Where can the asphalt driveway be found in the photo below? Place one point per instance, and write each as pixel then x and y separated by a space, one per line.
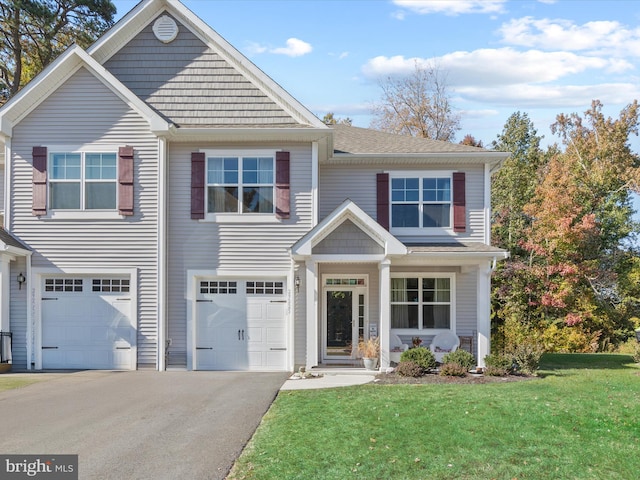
pixel 139 425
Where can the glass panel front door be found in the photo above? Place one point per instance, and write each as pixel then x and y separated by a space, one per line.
pixel 339 335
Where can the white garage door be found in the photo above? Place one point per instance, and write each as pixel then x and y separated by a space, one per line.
pixel 86 323
pixel 241 325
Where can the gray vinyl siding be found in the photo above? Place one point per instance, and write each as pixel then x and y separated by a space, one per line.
pixel 191 84
pixel 242 247
pixel 358 183
pixel 348 238
pixel 18 315
pixel 84 111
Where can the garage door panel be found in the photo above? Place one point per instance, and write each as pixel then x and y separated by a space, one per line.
pixel 87 329
pixel 254 322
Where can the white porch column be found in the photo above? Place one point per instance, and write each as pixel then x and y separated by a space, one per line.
pixel 5 290
pixel 384 328
pixel 311 286
pixel 484 311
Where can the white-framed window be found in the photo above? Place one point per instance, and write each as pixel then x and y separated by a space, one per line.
pixel 422 302
pixel 421 200
pixel 240 183
pixel 83 180
pixel 219 287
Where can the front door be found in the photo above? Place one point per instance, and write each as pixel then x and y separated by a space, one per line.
pixel 344 322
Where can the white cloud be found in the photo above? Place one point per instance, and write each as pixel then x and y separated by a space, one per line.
pixel 502 66
pixel 551 96
pixel 451 7
pixel 295 48
pixel 606 37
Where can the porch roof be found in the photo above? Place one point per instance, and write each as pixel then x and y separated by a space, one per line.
pixel 457 248
pixel 10 244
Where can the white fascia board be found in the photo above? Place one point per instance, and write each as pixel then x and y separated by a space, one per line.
pixel 158 125
pixel 125 29
pixel 348 211
pixel 36 91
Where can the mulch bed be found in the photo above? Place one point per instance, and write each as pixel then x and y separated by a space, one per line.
pixel 430 378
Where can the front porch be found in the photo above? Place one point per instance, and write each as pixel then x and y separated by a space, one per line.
pixel 359 281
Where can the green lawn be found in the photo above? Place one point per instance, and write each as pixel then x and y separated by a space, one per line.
pixel 580 420
pixel 9 382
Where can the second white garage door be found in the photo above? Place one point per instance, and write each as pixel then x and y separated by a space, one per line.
pixel 241 325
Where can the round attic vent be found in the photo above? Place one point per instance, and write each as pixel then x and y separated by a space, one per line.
pixel 165 29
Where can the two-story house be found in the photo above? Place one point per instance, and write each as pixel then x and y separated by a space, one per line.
pixel 166 204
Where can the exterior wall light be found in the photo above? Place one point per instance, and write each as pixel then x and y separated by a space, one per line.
pixel 21 279
pixel 297 284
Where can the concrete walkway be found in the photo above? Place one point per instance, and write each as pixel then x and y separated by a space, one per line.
pixel 330 378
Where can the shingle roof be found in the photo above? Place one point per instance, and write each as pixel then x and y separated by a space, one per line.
pixel 459 247
pixel 356 140
pixel 10 240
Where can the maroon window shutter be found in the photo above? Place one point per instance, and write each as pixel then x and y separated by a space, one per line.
pixel 283 199
pixel 39 158
pixel 459 203
pixel 383 199
pixel 197 185
pixel 125 180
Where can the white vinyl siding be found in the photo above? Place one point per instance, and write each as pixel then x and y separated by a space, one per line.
pixel 238 247
pixel 358 183
pixel 84 111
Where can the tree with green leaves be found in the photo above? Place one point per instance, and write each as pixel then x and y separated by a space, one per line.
pixel 34 32
pixel 514 184
pixel 575 277
pixel 331 119
pixel 418 104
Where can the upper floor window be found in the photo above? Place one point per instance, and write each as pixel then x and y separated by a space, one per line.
pixel 82 181
pixel 421 202
pixel 240 184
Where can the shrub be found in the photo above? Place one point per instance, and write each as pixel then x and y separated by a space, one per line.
pixel 499 360
pixel 453 370
pixel 409 369
pixel 569 339
pixel 461 357
pixel 495 371
pixel 420 355
pixel 527 355
pixel 498 365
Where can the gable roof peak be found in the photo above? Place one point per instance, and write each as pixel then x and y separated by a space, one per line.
pixel 147 11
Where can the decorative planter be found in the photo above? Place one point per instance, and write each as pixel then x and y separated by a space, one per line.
pixel 370 363
pixel 5 367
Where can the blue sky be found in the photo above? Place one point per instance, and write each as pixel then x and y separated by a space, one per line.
pixel 542 57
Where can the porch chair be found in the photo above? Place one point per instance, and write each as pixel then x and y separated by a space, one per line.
pixel 443 343
pixel 396 348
